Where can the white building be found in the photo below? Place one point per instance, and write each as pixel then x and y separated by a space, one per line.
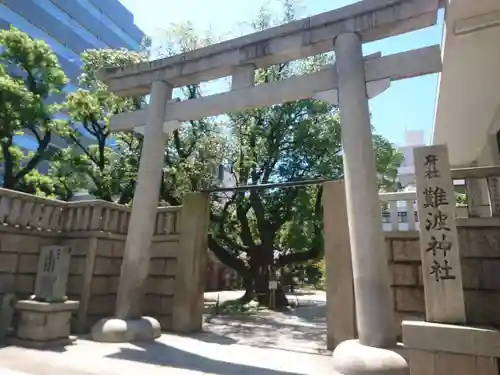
pixel 467 115
pixel 226 177
pixel 406 175
pixel 406 172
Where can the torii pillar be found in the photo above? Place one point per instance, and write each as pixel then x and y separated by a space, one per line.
pixel 128 323
pixel 374 352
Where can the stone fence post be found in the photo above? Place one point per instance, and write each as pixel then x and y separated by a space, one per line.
pixel 341 313
pixel 191 263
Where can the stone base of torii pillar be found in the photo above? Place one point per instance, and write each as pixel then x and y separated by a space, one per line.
pixel 353 358
pixel 375 352
pixel 128 324
pixel 121 330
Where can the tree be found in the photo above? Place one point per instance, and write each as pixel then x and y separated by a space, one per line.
pixel 30 80
pixel 259 231
pixel 110 171
pixel 107 166
pixel 194 152
pixel 254 232
pixel 389 159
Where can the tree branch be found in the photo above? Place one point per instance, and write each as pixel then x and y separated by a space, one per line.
pixel 8 181
pixel 229 242
pixel 225 257
pixel 92 131
pixel 178 145
pixel 37 157
pixel 241 214
pixel 315 249
pixel 35 133
pixel 83 148
pixel 260 215
pixel 102 159
pixel 284 212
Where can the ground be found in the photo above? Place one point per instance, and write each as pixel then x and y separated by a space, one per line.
pixel 267 343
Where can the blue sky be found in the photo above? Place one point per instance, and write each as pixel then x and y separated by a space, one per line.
pixel 408 104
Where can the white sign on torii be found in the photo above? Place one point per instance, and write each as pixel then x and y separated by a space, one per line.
pixel 349 82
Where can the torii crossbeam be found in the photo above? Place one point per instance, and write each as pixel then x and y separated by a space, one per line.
pixel 379 71
pixel 370 19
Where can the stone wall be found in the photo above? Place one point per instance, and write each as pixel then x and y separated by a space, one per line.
pixel 480 259
pixel 405 270
pixel 96 233
pixel 436 349
pixel 19 251
pixel 480 250
pixel 159 288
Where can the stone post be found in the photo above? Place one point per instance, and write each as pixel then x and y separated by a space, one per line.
pixel 190 276
pixel 340 315
pixel 373 297
pixel 130 325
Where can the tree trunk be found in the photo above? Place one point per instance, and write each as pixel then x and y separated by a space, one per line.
pixel 8 182
pixel 249 290
pixel 255 277
pixel 261 279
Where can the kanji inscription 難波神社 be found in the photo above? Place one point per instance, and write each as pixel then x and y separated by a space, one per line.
pixel 436 222
pixel 438 236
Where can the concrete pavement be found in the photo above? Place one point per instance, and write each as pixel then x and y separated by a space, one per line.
pixel 268 343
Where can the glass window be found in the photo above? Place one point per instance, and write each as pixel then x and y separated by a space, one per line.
pixel 26 141
pixel 22 24
pixel 109 23
pixel 70 22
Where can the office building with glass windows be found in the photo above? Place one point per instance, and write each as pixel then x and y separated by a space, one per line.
pixel 73 26
pixel 70 27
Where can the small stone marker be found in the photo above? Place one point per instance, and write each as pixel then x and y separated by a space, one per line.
pixel 441 268
pixel 52 274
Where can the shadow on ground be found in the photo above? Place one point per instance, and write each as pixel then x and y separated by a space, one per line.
pixel 301 329
pixel 265 343
pixel 162 354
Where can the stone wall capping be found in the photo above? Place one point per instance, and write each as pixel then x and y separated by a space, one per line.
pixel 482 222
pixel 479 22
pixel 409 234
pixel 30 305
pixel 476 341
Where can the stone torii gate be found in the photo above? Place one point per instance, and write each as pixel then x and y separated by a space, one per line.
pixel 350 82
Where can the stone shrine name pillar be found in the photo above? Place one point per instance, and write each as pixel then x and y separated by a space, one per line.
pixel 374 305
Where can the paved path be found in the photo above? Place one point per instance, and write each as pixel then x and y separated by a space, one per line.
pixel 269 343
